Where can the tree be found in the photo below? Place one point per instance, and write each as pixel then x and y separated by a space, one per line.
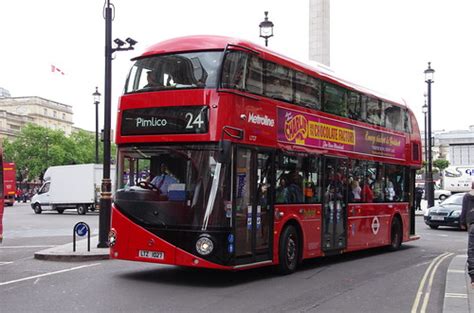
pixel 38 148
pixel 441 164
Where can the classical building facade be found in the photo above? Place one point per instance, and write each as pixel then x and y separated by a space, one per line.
pixel 456 146
pixel 16 112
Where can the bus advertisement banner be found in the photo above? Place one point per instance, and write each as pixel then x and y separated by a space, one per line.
pixel 306 129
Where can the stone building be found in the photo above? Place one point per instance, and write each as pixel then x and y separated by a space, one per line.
pixel 16 112
pixel 456 146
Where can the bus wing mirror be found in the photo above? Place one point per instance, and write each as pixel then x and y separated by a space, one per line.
pixel 224 151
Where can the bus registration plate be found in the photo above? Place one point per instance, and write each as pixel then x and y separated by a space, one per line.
pixel 151 254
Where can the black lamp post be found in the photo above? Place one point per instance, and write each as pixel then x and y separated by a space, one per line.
pixel 424 109
pixel 266 29
pixel 429 79
pixel 96 96
pixel 106 192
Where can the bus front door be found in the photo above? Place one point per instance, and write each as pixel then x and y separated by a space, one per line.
pixel 253 207
pixel 334 205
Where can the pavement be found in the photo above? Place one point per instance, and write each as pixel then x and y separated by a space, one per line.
pixel 83 252
pixel 458 297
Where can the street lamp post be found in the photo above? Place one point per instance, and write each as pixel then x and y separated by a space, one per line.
pixel 106 188
pixel 266 29
pixel 424 109
pixel 96 96
pixel 429 79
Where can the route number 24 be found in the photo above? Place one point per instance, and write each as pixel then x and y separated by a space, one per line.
pixel 193 122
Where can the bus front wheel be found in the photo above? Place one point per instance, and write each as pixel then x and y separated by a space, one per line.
pixel 288 250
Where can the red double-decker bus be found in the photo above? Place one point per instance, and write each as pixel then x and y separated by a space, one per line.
pixel 255 159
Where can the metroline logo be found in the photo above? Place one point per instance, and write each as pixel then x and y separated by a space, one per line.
pixel 261 120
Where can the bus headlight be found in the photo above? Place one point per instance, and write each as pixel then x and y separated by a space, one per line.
pixel 112 238
pixel 204 245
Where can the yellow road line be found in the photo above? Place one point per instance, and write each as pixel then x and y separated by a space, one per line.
pixel 419 293
pixel 430 284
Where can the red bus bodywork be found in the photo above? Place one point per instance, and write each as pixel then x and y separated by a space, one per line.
pixel 9 183
pixel 368 224
pixel 1 196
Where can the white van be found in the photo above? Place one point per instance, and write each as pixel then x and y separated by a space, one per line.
pixel 71 187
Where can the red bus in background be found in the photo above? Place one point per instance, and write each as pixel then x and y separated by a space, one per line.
pixel 1 195
pixel 256 159
pixel 9 183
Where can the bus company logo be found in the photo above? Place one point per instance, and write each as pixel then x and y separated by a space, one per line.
pixel 150 122
pixel 296 128
pixel 261 120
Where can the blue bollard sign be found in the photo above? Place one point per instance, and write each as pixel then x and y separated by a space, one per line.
pixel 81 229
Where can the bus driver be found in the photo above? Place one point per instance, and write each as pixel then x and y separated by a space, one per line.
pixel 164 180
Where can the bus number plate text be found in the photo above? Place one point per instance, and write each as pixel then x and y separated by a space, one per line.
pixel 151 254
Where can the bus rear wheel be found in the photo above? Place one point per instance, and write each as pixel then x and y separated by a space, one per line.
pixel 396 235
pixel 288 250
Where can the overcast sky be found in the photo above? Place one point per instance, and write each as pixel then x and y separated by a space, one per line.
pixel 383 45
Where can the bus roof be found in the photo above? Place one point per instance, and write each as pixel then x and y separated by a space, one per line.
pixel 211 42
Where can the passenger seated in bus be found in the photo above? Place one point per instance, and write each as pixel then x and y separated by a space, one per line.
pixel 393 118
pixel 295 191
pixel 389 191
pixel 263 196
pixel 151 78
pixel 356 191
pixel 367 193
pixel 282 195
pixel 378 189
pixel 164 180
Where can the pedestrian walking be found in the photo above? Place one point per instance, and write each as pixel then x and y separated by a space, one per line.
pixel 467 222
pixel 418 196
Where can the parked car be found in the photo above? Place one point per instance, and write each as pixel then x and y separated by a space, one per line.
pixel 447 213
pixel 439 193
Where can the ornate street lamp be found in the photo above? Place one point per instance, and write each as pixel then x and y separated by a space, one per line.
pixel 96 96
pixel 106 188
pixel 424 109
pixel 266 29
pixel 429 79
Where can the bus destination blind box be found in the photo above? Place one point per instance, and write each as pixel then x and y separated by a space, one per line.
pixel 167 120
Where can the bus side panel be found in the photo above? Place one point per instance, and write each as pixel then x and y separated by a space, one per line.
pixel 368 225
pixel 308 218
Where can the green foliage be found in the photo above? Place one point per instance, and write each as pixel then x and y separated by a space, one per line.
pixel 441 164
pixel 38 148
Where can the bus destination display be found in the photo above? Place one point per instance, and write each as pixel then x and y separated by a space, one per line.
pixel 167 120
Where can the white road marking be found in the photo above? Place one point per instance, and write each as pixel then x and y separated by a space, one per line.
pixel 47 274
pixel 455 295
pixel 26 247
pixel 5 263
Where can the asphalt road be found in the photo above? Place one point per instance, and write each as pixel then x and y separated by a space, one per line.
pixel 369 281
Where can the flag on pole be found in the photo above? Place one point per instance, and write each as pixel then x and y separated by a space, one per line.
pixel 54 69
